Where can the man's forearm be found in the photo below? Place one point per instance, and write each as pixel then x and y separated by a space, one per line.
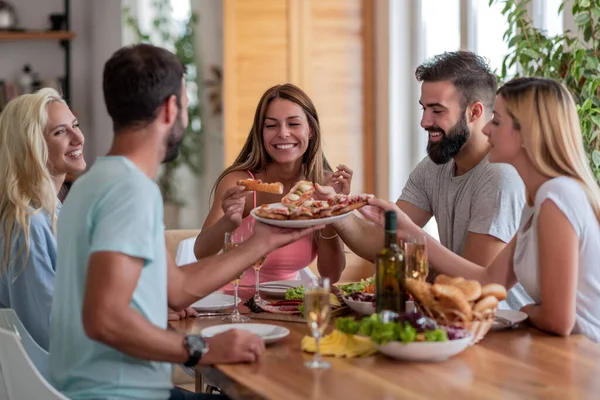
pixel 129 332
pixel 362 237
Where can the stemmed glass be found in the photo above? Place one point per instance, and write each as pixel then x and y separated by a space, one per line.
pixel 232 240
pixel 417 267
pixel 257 266
pixel 317 311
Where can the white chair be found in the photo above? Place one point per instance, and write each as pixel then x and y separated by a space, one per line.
pixel 21 378
pixel 10 321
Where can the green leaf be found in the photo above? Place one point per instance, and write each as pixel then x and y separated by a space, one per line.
pixel 594 136
pixel 531 53
pixel 584 3
pixel 582 18
pixel 596 12
pixel 596 158
pixel 596 119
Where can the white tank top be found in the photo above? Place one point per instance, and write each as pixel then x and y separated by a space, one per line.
pixel 570 198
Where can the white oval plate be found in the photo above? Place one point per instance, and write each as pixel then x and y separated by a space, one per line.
pixel 302 223
pixel 216 301
pixel 278 288
pixel 268 333
pixel 513 316
pixel 367 307
pixel 425 351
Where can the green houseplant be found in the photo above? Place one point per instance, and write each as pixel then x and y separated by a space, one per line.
pixel 180 40
pixel 572 58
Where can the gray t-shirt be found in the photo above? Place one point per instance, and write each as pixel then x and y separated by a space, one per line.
pixel 488 200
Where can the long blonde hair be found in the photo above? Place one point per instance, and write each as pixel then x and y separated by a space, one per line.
pixel 254 156
pixel 544 112
pixel 26 185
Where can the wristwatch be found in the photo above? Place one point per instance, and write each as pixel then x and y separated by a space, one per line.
pixel 197 347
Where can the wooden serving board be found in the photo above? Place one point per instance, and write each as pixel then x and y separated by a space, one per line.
pixel 338 312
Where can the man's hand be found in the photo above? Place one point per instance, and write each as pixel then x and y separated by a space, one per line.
pixel 177 315
pixel 375 212
pixel 233 346
pixel 275 237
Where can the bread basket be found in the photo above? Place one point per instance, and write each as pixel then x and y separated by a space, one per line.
pixel 479 324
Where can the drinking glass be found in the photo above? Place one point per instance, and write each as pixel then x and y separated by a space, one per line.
pixel 415 248
pixel 232 240
pixel 317 311
pixel 257 266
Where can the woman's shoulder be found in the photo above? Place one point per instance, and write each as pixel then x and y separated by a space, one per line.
pixel 564 189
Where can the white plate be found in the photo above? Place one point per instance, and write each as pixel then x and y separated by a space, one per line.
pixel 303 223
pixel 268 333
pixel 425 351
pixel 367 307
pixel 215 302
pixel 278 288
pixel 513 316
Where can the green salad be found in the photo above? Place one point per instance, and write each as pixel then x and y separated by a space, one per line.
pixel 350 288
pixel 409 328
pixel 296 293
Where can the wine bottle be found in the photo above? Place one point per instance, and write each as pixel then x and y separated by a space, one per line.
pixel 390 274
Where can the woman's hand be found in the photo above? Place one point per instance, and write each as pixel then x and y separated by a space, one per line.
pixel 340 180
pixel 233 204
pixel 375 212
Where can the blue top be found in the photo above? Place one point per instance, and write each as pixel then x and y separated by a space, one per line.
pixel 28 284
pixel 113 207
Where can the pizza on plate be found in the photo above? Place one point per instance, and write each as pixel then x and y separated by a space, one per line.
pixel 299 204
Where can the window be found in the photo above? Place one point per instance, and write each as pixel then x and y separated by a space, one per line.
pixel 489 26
pixel 441 26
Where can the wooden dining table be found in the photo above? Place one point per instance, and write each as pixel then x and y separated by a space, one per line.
pixel 517 363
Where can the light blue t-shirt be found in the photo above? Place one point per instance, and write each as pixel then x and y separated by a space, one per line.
pixel 113 207
pixel 27 284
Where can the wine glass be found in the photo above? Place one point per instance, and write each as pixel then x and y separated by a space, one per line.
pixel 232 240
pixel 415 248
pixel 257 266
pixel 317 311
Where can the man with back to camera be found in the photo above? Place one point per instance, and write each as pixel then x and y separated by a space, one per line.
pixel 477 205
pixel 115 279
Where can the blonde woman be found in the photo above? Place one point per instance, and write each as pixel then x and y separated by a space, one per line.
pixel 555 254
pixel 284 145
pixel 40 143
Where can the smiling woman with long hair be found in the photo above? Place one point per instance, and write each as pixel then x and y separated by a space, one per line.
pixel 284 145
pixel 555 254
pixel 40 142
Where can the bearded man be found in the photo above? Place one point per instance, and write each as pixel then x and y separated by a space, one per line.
pixel 477 205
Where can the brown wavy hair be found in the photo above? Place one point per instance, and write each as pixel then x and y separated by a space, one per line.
pixel 254 156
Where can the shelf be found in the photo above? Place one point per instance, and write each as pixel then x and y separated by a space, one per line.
pixel 36 35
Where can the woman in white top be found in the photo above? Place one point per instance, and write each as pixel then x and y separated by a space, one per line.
pixel 555 255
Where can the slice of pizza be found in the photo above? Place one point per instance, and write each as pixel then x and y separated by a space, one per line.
pixel 344 204
pixel 259 186
pixel 300 213
pixel 318 208
pixel 280 213
pixel 298 194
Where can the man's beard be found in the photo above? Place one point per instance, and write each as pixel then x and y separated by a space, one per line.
pixel 450 144
pixel 174 139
